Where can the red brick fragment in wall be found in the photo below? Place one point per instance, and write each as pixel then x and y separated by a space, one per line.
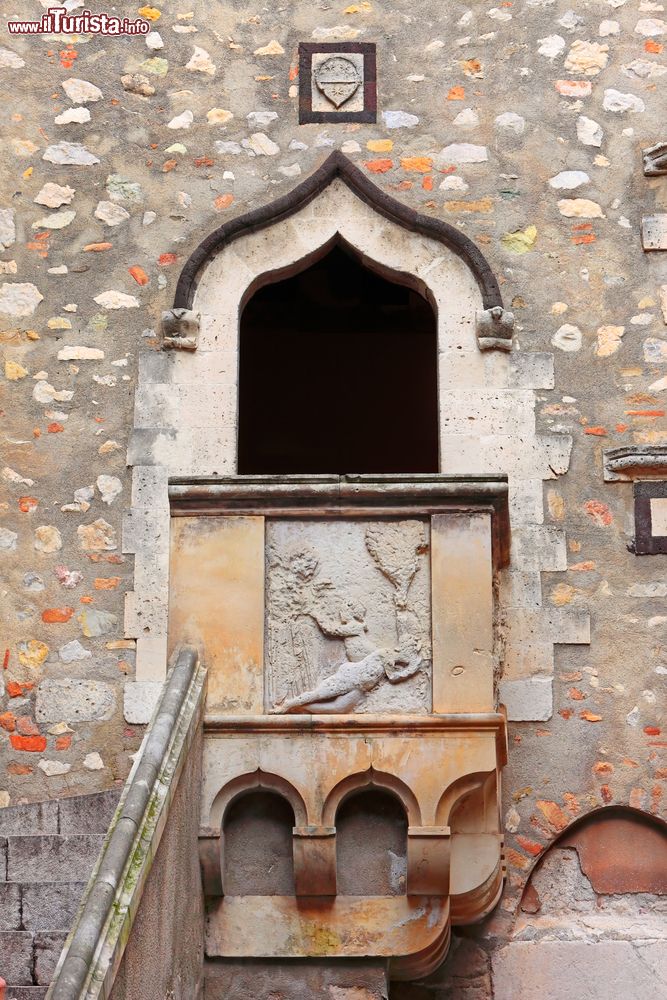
pixel 16 690
pixel 57 615
pixel 8 721
pixel 532 846
pixel 553 814
pixel 19 769
pixel 26 726
pixel 34 744
pixel 531 902
pixel 379 166
pixel 599 512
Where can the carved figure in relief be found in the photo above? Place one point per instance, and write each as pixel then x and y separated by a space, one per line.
pixel 495 329
pixel 343 690
pixel 180 329
pixel 655 160
pixel 307 609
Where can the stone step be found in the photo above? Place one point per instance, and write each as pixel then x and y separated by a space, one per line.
pixel 47 852
pixel 78 814
pixel 51 858
pixel 30 959
pixel 26 992
pixel 39 906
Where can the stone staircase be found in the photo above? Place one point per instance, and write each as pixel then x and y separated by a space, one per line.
pixel 47 852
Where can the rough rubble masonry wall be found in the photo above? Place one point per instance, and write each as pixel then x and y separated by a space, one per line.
pixel 522 124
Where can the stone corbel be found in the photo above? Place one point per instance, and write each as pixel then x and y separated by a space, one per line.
pixel 495 329
pixel 210 862
pixel 180 329
pixel 428 860
pixel 632 462
pixel 655 159
pixel 314 850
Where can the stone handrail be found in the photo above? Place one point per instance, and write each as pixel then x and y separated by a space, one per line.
pixel 95 946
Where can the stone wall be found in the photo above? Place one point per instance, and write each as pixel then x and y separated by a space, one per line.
pixel 47 852
pixel 522 125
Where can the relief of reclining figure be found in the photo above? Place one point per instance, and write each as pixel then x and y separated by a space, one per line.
pixel 343 690
pixel 311 613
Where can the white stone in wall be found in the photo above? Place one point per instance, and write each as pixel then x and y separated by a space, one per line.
pixel 73 116
pixel 201 62
pixel 81 91
pixel 7 228
pixel 54 195
pixel 19 299
pixel 509 121
pixel 569 179
pixel 529 700
pixel 74 700
pixel 339 33
pixel 643 69
pixel 110 213
pixel 567 338
pixel 10 60
pixel 182 121
pixel 140 700
pixel 116 300
pixel 461 152
pixel 651 27
pixel 551 46
pixel 399 119
pixel 589 132
pixel 58 220
pixel 72 153
pixel 8 539
pixel 54 768
pixel 619 103
pixel 260 145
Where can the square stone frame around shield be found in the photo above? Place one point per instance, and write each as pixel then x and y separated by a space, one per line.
pixel 367 113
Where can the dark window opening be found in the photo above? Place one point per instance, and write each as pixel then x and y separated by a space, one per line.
pixel 258 858
pixel 337 374
pixel 371 845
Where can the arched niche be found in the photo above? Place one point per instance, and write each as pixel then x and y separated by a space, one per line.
pixel 257 857
pixel 371 844
pixel 612 859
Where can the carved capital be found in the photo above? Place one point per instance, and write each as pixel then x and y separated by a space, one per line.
pixel 495 328
pixel 655 159
pixel 180 330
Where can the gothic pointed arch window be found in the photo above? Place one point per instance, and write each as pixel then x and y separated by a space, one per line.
pixel 338 373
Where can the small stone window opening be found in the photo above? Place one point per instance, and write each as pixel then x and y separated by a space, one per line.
pixel 258 859
pixel 338 374
pixel 371 845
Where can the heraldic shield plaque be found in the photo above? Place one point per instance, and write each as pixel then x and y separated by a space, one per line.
pixel 337 82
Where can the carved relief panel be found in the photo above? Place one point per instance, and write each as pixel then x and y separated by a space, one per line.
pixel 348 611
pixel 347 628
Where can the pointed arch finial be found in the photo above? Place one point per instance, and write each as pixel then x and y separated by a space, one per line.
pixel 338 165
